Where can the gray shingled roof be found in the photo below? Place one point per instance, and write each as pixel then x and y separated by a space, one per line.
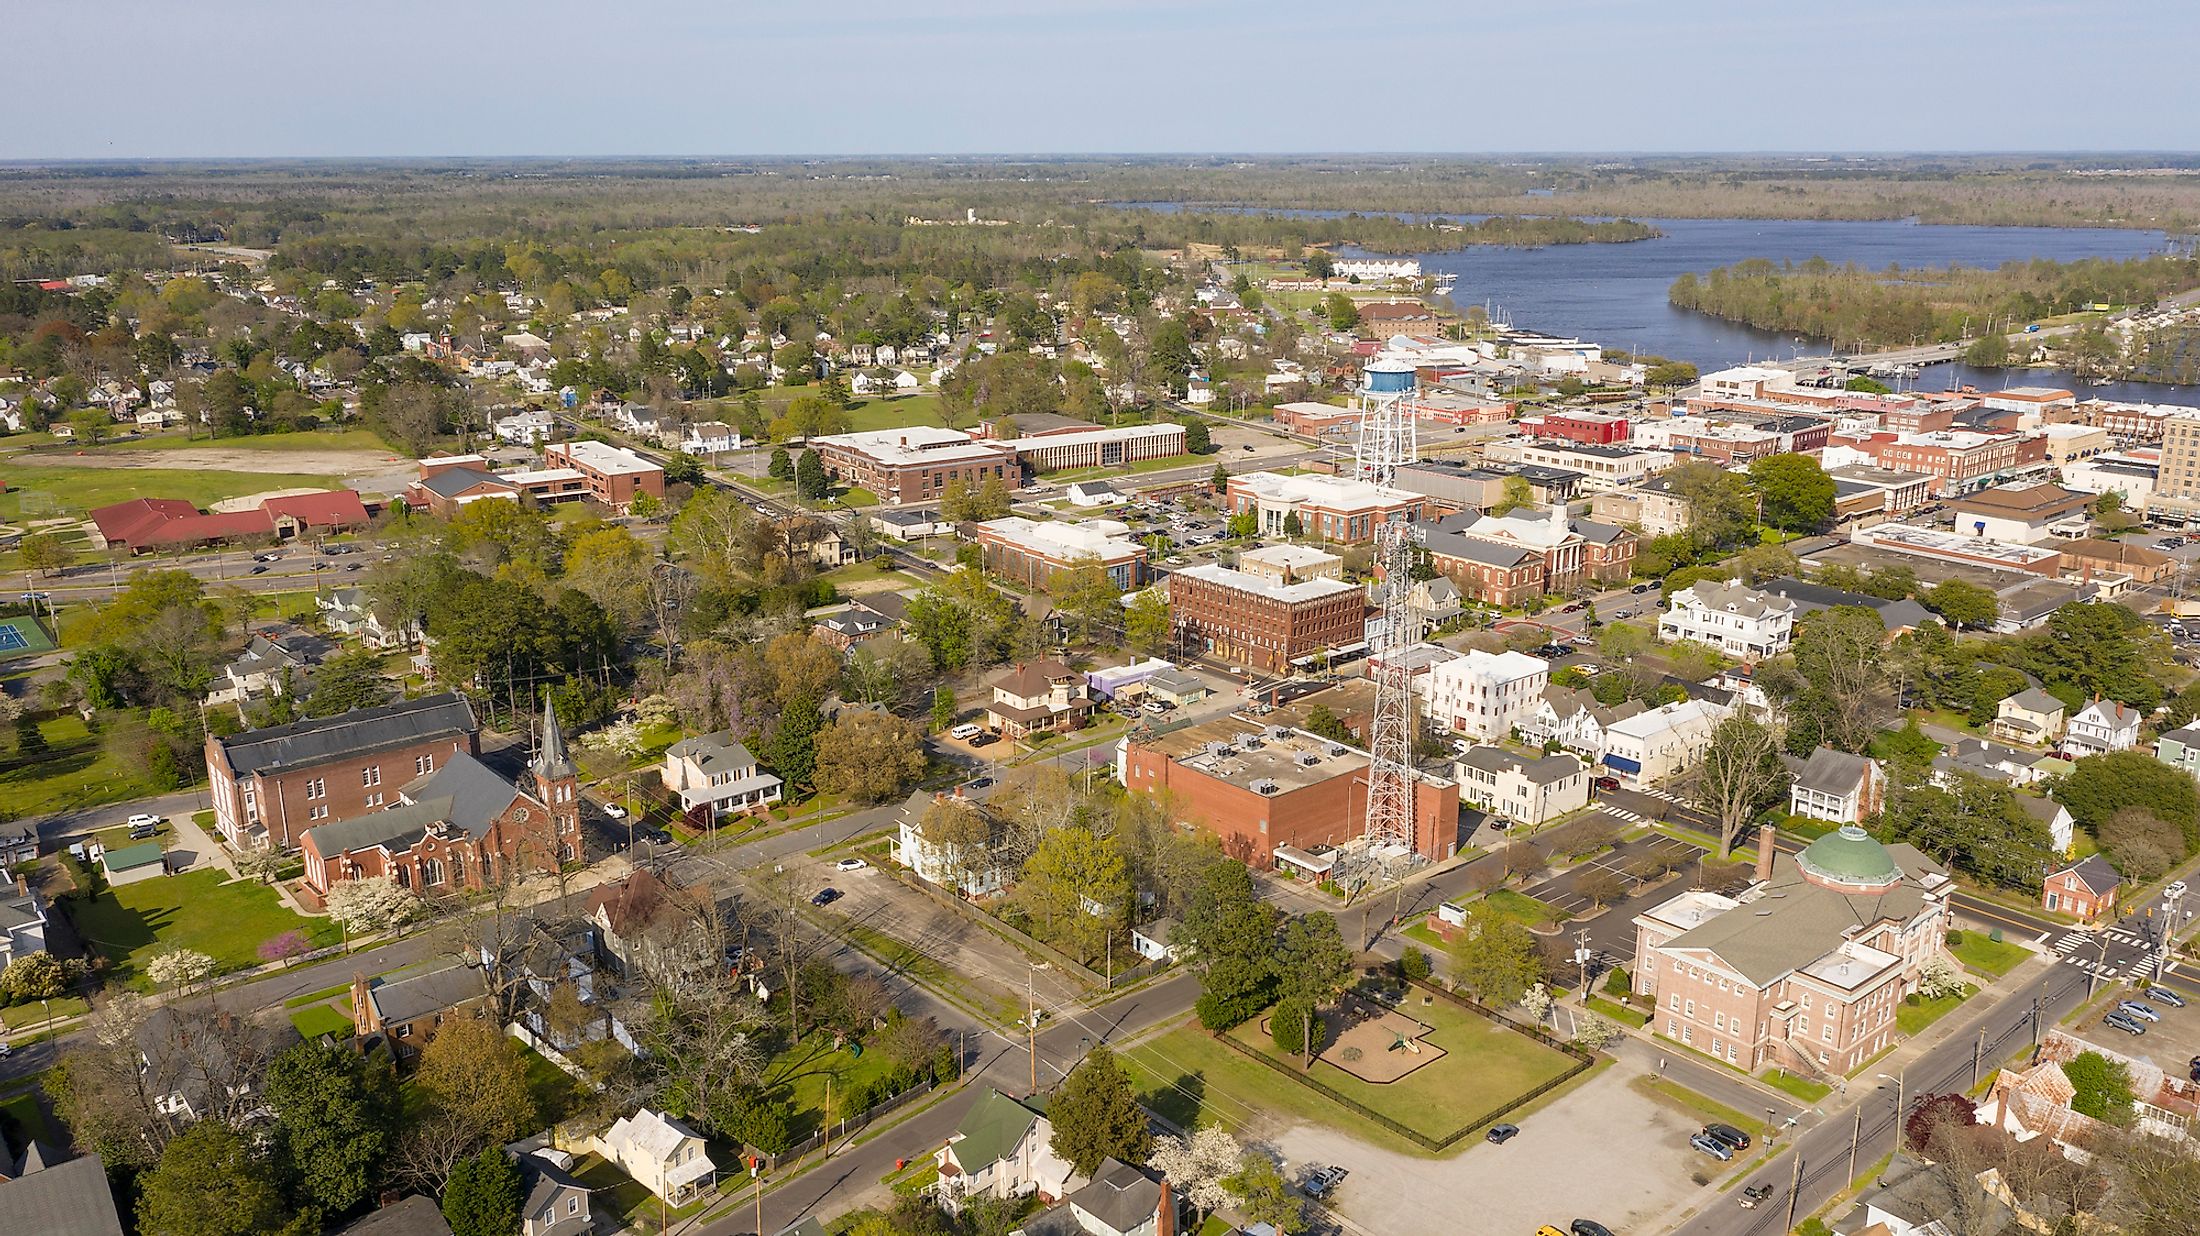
pixel 1828 771
pixel 2035 700
pixel 67 1199
pixel 545 1182
pixel 421 994
pixel 464 793
pixel 1120 1196
pixel 452 482
pixel 2096 873
pixel 719 752
pixel 414 1216
pixel 348 733
pixel 1471 549
pixel 1542 770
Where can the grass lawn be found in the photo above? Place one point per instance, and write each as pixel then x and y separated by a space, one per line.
pixel 195 910
pixel 1623 1014
pixel 1995 957
pixel 800 1074
pixel 1194 1081
pixel 1915 1013
pixel 305 440
pixel 323 1019
pixel 554 1090
pixel 1134 467
pixel 1681 1098
pixel 74 772
pixel 33 1015
pixel 81 489
pixel 892 413
pixel 1801 1087
pixel 316 997
pixel 1521 908
pixel 626 1199
pixel 22 1112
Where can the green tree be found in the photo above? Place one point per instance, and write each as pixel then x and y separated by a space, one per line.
pixel 810 480
pixel 1988 351
pixel 335 1120
pixel 869 756
pixel 1319 265
pixel 1146 623
pixel 1096 1117
pixel 943 708
pixel 1171 354
pixel 1796 492
pixel 482 1197
pixel 2103 1088
pixel 472 1075
pixel 350 679
pixel 782 464
pixel 1992 685
pixel 2098 787
pixel 1312 961
pixel 1290 1023
pixel 1494 956
pixel 1264 1197
pixel 1293 526
pixel 1220 479
pixel 1320 720
pixel 1243 526
pixel 1974 825
pixel 1197 439
pixel 1087 596
pixel 1229 935
pixel 1722 508
pixel 46 553
pixel 211 1183
pixel 1841 655
pixel 791 751
pixel 1071 873
pixel 1962 603
pixel 1341 312
pixel 2100 648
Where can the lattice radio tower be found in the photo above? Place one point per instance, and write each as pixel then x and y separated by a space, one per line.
pixel 1388 439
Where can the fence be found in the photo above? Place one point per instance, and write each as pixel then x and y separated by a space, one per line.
pixel 841 1128
pixel 1053 956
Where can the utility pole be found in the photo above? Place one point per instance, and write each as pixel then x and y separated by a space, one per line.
pixel 1978 1047
pixel 1855 1135
pixel 1795 1182
pixel 1581 955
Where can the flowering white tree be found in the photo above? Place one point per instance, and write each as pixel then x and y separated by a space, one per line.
pixel 1593 1032
pixel 1938 977
pixel 376 904
pixel 621 738
pixel 1536 1003
pixel 1197 1165
pixel 179 967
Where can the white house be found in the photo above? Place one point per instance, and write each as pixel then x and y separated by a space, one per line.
pixel 716 770
pixel 2056 818
pixel 946 863
pixel 1659 743
pixel 1094 493
pixel 1741 622
pixel 22 924
pixel 1837 787
pixel 661 1154
pixel 1522 789
pixel 1001 1149
pixel 2103 726
pixel 1574 720
pixel 709 438
pixel 531 428
pixel 1483 695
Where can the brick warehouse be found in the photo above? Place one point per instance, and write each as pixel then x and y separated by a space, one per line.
pixel 1257 790
pixel 1257 621
pixel 270 785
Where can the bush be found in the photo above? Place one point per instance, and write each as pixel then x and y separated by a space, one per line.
pixel 1414 965
pixel 1287 1025
pixel 1617 984
pixel 1955 939
pixel 759 1123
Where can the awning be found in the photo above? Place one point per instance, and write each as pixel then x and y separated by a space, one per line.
pixel 1622 763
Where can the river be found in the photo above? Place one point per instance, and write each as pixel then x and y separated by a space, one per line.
pixel 1614 294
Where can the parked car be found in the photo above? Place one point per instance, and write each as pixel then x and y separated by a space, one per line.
pixel 144 820
pixel 1639 589
pixel 825 897
pixel 1499 1134
pixel 1756 1193
pixel 2173 890
pixel 963 731
pixel 978 783
pixel 1712 1146
pixel 850 864
pixel 1589 1227
pixel 5 1051
pixel 2163 995
pixel 2139 1009
pixel 614 810
pixel 1729 1134
pixel 985 740
pixel 2119 1020
pixel 1606 783
pixel 1322 1181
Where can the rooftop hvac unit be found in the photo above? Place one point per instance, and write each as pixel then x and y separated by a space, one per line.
pixel 1279 732
pixel 1338 750
pixel 1265 787
pixel 1310 759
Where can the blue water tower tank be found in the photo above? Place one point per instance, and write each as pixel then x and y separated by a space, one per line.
pixel 1389 378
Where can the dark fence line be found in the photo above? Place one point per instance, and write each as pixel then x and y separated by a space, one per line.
pixel 841 1128
pixel 1025 940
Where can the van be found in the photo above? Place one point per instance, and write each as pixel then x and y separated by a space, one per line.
pixel 963 732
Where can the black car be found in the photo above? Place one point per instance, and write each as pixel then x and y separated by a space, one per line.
pixel 825 897
pixel 1589 1227
pixel 1756 1193
pixel 1499 1134
pixel 258 570
pixel 979 783
pixel 1639 589
pixel 1729 1134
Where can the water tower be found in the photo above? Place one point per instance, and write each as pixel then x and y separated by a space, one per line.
pixel 1387 377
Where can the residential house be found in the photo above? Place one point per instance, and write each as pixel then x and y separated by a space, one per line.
pixel 1660 743
pixel 663 1155
pixel 407 1011
pixel 851 626
pixel 1739 621
pixel 1001 1149
pixel 553 1201
pixel 1151 940
pixel 2031 717
pixel 1038 695
pixel 1522 789
pixel 275 661
pixel 2054 817
pixel 2086 890
pixel 708 438
pixel 1913 1197
pixel 2102 726
pixel 350 612
pixel 1483 695
pixel 2036 1101
pixel 1989 760
pixel 910 525
pixel 1433 602
pixel 2180 748
pixel 1838 787
pixel 412 1216
pixel 1119 1200
pixel 201 1062
pixel 716 771
pixel 22 923
pixel 1574 719
pixel 971 868
pixel 644 927
pixel 61 1199
pixel 530 428
pixel 1094 493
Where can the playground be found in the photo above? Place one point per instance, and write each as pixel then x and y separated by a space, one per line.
pixel 1376 1044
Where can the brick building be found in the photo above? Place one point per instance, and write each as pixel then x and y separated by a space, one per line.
pixel 1806 968
pixel 1585 428
pixel 1090 447
pixel 458 827
pixel 913 464
pixel 1276 787
pixel 2085 890
pixel 1957 460
pixel 615 475
pixel 270 785
pixel 1332 508
pixel 1257 621
pixel 1031 551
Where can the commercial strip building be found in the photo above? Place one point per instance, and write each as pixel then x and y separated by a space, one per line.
pixel 1031 551
pixel 1257 621
pixel 1331 508
pixel 1260 790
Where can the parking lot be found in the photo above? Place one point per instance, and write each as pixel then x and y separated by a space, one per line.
pixel 2170 1043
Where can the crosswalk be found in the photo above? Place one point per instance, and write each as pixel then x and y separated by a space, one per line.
pixel 2083 950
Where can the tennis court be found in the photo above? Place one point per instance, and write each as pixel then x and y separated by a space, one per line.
pixel 22 637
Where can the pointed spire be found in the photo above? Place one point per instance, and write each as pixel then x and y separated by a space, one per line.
pixel 551 760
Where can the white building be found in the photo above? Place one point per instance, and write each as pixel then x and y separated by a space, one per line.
pixel 1837 787
pixel 1739 621
pixel 1747 382
pixel 661 1154
pixel 1574 720
pixel 1483 695
pixel 531 428
pixel 1660 743
pixel 716 770
pixel 2103 726
pixel 1522 789
pixel 1370 270
pixel 945 864
pixel 709 438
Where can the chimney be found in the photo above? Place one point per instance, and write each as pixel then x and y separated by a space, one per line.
pixel 1767 839
pixel 1165 1222
pixel 362 1006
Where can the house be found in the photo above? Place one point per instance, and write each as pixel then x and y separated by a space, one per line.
pixel 201 1062
pixel 407 1011
pixel 1659 743
pixel 1912 1198
pixel 531 428
pixel 412 1216
pixel 2032 717
pixel 350 612
pixel 133 863
pixel 851 626
pixel 1094 493
pixel 2086 890
pixel 2054 817
pixel 717 771
pixel 1481 694
pixel 1038 695
pixel 22 923
pixel 908 526
pixel 1119 1200
pixel 969 867
pixel 1739 621
pixel 1176 686
pixel 553 1201
pixel 663 1155
pixel 1988 760
pixel 1806 968
pixel 274 661
pixel 1522 789
pixel 709 438
pixel 2102 726
pixel 1838 787
pixel 1432 603
pixel 2180 748
pixel 61 1199
pixel 1574 719
pixel 1001 1149
pixel 1151 940
pixel 2036 1101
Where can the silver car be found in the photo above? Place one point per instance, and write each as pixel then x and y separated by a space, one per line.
pixel 2139 1009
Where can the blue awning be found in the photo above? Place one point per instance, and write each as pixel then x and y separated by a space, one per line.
pixel 1622 763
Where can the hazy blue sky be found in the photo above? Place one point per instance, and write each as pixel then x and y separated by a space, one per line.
pixel 109 78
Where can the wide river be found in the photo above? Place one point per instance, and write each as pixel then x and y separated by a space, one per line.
pixel 1615 294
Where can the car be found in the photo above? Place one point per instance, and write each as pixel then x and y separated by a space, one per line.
pixel 2139 1009
pixel 825 897
pixel 351 566
pixel 1575 608
pixel 1712 1146
pixel 144 820
pixel 850 864
pixel 1548 1230
pixel 320 566
pixel 1606 783
pixel 2163 995
pixel 985 740
pixel 5 1051
pixel 964 731
pixel 2119 1020
pixel 2173 890
pixel 978 783
pixel 1248 446
pixel 1155 707
pixel 258 570
pixel 1588 1227
pixel 614 810
pixel 1729 1134
pixel 654 836
pixel 1624 612
pixel 1639 589
pixel 1757 1193
pixel 1499 1134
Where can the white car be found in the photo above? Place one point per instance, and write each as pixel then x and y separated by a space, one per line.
pixel 850 864
pixel 2174 889
pixel 142 820
pixel 963 731
pixel 614 810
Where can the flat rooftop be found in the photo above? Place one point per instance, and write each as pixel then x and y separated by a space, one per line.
pixel 1289 556
pixel 914 444
pixel 1933 542
pixel 605 458
pixel 1233 750
pixel 1337 493
pixel 1260 585
pixel 1092 538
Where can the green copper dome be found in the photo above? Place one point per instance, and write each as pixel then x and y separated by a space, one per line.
pixel 1848 857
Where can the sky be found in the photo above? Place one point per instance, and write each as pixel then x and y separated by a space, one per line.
pixel 367 78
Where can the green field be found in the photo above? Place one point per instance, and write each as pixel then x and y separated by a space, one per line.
pixel 321 1019
pixel 1801 1087
pixel 195 910
pixel 75 771
pixel 553 1089
pixel 799 1075
pixel 1988 955
pixel 80 489
pixel 894 413
pixel 33 1015
pixel 1521 908
pixel 1912 1018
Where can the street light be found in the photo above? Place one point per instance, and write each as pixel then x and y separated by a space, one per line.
pixel 1899 1086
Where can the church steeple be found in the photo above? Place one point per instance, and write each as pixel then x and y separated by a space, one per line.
pixel 551 761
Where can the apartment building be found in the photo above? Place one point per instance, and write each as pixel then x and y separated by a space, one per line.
pixel 1658 744
pixel 1522 789
pixel 2177 486
pixel 615 476
pixel 1288 564
pixel 1482 695
pixel 1254 620
pixel 270 785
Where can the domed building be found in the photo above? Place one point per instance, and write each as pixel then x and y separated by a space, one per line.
pixel 1805 968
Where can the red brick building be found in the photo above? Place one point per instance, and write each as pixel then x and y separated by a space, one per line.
pixel 1958 461
pixel 459 827
pixel 616 476
pixel 1279 787
pixel 1261 622
pixel 270 785
pixel 914 464
pixel 1588 428
pixel 2085 890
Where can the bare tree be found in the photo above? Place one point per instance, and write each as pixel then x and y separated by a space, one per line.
pixel 1739 773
